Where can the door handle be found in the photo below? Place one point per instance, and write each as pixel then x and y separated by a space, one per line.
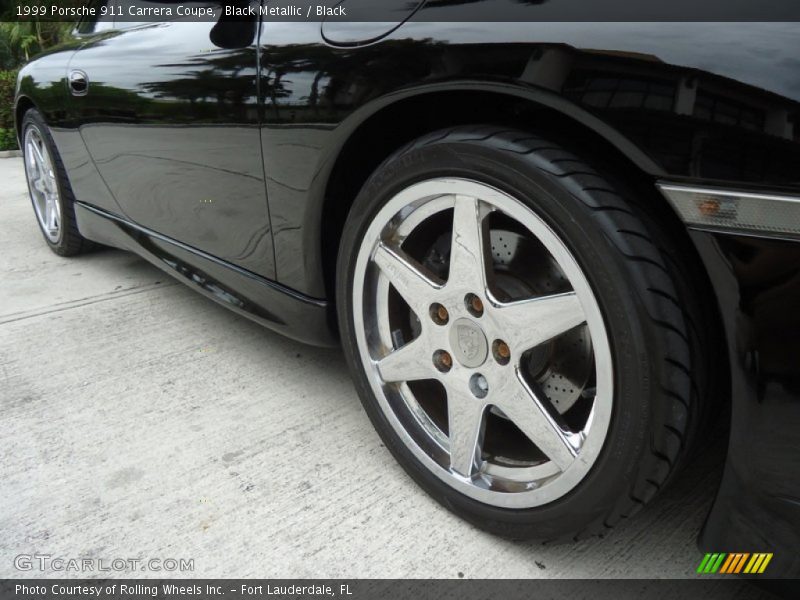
pixel 78 83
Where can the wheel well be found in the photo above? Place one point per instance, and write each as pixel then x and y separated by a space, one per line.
pixel 396 125
pixel 24 104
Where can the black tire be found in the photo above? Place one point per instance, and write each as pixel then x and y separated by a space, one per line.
pixel 70 242
pixel 641 292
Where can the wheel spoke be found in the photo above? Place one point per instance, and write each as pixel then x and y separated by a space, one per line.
pixel 49 214
pixel 53 221
pixel 535 321
pixel 32 162
pixel 465 430
pixel 468 248
pixel 41 162
pixel 526 411
pixel 414 286
pixel 48 183
pixel 410 362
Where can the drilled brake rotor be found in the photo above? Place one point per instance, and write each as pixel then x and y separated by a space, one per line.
pixel 561 368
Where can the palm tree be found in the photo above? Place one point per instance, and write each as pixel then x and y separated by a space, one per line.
pixel 21 39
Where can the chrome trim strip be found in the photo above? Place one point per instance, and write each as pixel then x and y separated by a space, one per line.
pixel 669 187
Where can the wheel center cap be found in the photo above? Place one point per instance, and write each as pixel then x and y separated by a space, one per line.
pixel 468 343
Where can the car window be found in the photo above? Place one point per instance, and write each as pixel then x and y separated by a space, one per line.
pixel 114 14
pixel 161 11
pixel 103 19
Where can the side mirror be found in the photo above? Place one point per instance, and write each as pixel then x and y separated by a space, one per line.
pixel 234 31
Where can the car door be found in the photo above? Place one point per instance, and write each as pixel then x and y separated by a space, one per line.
pixel 169 114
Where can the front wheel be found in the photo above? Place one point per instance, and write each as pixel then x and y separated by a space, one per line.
pixel 514 333
pixel 49 188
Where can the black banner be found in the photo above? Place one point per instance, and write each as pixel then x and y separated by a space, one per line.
pixel 711 588
pixel 356 11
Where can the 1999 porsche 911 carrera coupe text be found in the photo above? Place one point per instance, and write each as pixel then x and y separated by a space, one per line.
pixel 555 254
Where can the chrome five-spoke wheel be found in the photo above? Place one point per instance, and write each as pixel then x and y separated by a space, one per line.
pixel 42 184
pixel 483 342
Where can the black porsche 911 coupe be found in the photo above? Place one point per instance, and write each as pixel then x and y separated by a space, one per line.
pixel 555 253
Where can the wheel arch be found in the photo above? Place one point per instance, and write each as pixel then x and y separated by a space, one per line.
pixel 23 105
pixel 374 132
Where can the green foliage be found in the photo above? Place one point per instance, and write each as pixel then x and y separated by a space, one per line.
pixel 8 80
pixel 21 40
pixel 8 139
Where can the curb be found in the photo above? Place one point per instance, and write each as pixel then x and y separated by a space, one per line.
pixel 10 153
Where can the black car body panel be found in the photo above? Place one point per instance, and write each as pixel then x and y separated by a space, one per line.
pixel 233 167
pixel 200 158
pixel 757 282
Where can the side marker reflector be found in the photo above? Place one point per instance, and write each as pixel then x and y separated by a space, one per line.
pixel 743 212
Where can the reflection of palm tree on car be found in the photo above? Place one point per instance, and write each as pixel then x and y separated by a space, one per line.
pixel 210 79
pixel 342 68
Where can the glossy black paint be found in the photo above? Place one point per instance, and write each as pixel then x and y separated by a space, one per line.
pixel 230 157
pixel 190 166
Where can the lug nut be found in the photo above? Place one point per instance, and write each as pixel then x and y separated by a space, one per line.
pixel 439 314
pixel 442 360
pixel 478 385
pixel 474 305
pixel 501 352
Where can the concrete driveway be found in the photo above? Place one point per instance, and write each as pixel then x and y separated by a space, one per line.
pixel 140 419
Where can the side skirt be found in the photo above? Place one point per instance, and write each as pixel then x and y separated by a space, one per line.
pixel 266 302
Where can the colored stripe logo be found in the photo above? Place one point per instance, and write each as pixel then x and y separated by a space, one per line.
pixel 735 562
